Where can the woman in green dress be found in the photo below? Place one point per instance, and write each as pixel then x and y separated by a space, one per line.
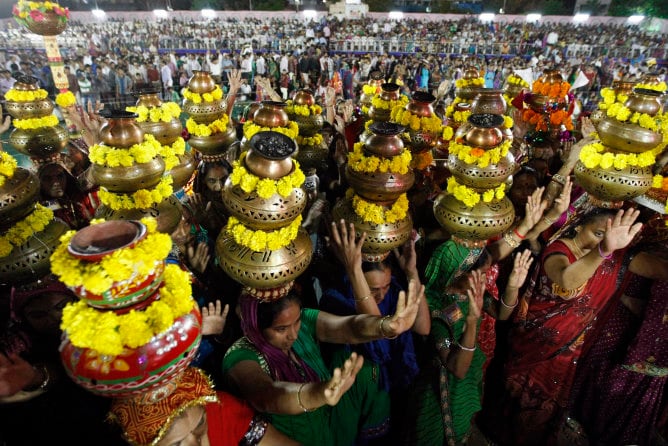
pixel 278 368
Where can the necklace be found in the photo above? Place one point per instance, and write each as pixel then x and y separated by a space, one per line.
pixel 575 248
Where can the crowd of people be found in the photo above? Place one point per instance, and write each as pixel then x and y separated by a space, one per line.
pixel 552 333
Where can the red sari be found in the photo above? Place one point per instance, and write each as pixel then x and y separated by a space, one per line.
pixel 546 343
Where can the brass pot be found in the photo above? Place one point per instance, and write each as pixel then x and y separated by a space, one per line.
pixel 271 114
pixel 25 82
pixel 303 97
pixel 50 25
pixel 205 112
pixel 31 109
pixel 312 157
pixel 182 172
pixel 120 130
pixel 164 132
pixel 482 130
pixel 385 139
pixel 472 175
pixel 623 87
pixel 308 125
pixel 201 82
pixel 270 155
pixel 215 144
pixel 421 104
pixel 375 80
pixel 470 72
pixel 149 99
pixel 380 239
pixel 512 90
pixel 31 261
pixel 271 213
pixel 650 79
pixel 378 186
pixel 17 197
pixel 596 116
pixel 264 270
pixel 388 92
pixel 40 143
pixel 489 100
pixel 613 184
pixel 644 101
pixel 129 179
pixel 167 213
pixel 537 102
pixel 551 77
pixel 627 137
pixel 468 93
pixel 481 222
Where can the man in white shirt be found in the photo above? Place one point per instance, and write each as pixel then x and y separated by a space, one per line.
pixel 260 65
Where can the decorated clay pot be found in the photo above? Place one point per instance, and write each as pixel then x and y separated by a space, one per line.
pixel 380 239
pixel 379 186
pixel 271 114
pixel 472 175
pixel 205 112
pixel 136 370
pixel 51 24
pixel 627 137
pixel 267 269
pixel 483 130
pixel 263 213
pixel 642 100
pixel 31 260
pixel 614 184
pixel 182 172
pixel 121 130
pixel 164 132
pixel 481 222
pixel 489 100
pixel 17 197
pixel 385 139
pixel 201 82
pixel 167 213
pixel 40 143
pixel 269 156
pixel 130 178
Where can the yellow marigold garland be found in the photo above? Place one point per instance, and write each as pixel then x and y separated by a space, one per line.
pixel 360 162
pixel 594 155
pixel 370 89
pixel 660 87
pixel 380 103
pixel 508 122
pixel 430 124
pixel 122 264
pixel 25 96
pixel 610 97
pixel 36 123
pixel 302 110
pixel 291 131
pixel 140 199
pixel 470 197
pixel 306 141
pixel 167 112
pixel 217 126
pixel 214 95
pixel 376 214
pixel 622 113
pixel 481 157
pixel 260 240
pixel 170 153
pixel 517 80
pixel 448 133
pixel 265 187
pixel 109 333
pixel 21 231
pixel 140 153
pixel 7 167
pixel 475 82
pixel 66 99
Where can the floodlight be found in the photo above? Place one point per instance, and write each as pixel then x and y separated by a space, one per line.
pixel 396 15
pixel 486 17
pixel 160 13
pixel 581 17
pixel 99 13
pixel 533 17
pixel 635 19
pixel 208 13
pixel 310 13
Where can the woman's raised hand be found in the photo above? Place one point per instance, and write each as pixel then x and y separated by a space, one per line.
pixel 407 309
pixel 475 293
pixel 520 270
pixel 620 230
pixel 534 209
pixel 342 379
pixel 346 249
pixel 213 318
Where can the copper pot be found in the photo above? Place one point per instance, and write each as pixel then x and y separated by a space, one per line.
pixel 385 139
pixel 421 104
pixel 644 101
pixel 40 143
pixel 271 114
pixel 470 73
pixel 129 179
pixel 623 87
pixel 390 91
pixel 215 144
pixel 489 100
pixel 17 197
pixel 267 269
pixel 205 112
pixel 167 213
pixel 480 178
pixel 627 137
pixel 551 77
pixel 51 24
pixel 201 82
pixel 375 80
pixel 481 222
pixel 149 99
pixel 250 112
pixel 164 132
pixel 120 130
pixel 270 213
pixel 182 172
pixel 650 79
pixel 303 97
pixel 30 109
pixel 483 130
pixel 25 82
pixel 270 155
pixel 614 184
pixel 379 186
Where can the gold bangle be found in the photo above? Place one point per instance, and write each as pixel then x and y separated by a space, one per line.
pixel 299 399
pixel 362 299
pixel 548 220
pixel 508 238
pixel 380 328
pixel 560 179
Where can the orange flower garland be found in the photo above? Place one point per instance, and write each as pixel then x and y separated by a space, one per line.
pixel 556 90
pixel 556 119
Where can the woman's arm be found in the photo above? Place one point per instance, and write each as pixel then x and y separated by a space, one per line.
pixel 651 266
pixel 407 259
pixel 287 398
pixel 507 303
pixel 235 83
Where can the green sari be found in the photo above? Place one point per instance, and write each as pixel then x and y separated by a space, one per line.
pixel 355 416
